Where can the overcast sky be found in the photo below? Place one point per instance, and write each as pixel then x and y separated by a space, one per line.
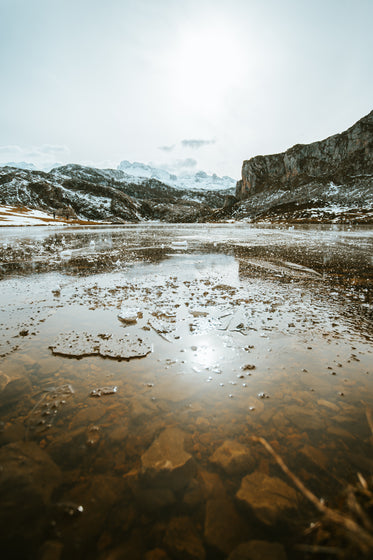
pixel 186 84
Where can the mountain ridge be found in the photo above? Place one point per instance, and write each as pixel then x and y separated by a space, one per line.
pixel 327 180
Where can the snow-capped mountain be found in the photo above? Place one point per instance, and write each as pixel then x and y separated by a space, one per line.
pixel 29 166
pixel 20 165
pixel 136 172
pixel 197 181
pixel 107 195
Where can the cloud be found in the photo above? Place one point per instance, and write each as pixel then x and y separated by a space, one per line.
pixel 40 156
pixel 196 144
pixel 176 166
pixel 188 162
pixel 166 148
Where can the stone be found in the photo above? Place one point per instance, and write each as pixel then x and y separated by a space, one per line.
pixel 51 550
pixel 13 390
pixel 268 497
pixel 316 456
pixel 88 504
pixel 212 485
pixel 304 419
pixel 166 463
pixel 224 529
pixel 193 494
pixel 328 404
pixel 233 458
pixel 156 554
pixel 182 540
pixel 153 499
pixel 91 413
pixel 28 477
pixel 258 550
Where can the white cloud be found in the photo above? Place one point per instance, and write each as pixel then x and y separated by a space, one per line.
pixel 196 144
pixel 166 148
pixel 41 156
pixel 188 162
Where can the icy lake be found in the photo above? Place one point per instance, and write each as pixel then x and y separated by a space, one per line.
pixel 137 363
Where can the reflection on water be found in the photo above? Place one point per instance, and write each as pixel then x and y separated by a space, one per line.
pixel 262 332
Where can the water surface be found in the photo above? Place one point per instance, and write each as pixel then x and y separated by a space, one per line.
pixel 251 331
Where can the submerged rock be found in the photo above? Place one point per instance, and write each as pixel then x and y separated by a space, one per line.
pixel 156 554
pixel 152 499
pixel 78 345
pixel 13 389
pixel 258 550
pixel 224 528
pixel 28 477
pixel 233 458
pixel 182 540
pixel 268 497
pixel 80 514
pixel 51 550
pixel 166 462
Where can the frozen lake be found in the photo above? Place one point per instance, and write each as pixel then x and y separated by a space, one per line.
pixel 137 363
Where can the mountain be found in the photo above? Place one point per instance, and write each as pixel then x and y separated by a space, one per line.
pixel 198 181
pixel 20 165
pixel 327 180
pixel 104 195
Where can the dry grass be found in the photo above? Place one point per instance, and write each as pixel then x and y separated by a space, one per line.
pixel 22 211
pixel 355 525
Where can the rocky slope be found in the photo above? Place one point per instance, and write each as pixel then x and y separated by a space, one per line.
pixel 327 180
pixel 110 195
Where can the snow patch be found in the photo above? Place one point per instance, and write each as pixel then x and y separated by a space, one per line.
pixel 197 181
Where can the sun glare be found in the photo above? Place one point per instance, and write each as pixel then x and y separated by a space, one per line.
pixel 206 65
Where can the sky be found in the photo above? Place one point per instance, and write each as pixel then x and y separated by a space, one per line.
pixel 186 85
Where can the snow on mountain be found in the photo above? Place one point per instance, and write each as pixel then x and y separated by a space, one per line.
pixel 20 165
pixel 197 181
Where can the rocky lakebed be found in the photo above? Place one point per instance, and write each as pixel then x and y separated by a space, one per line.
pixel 144 367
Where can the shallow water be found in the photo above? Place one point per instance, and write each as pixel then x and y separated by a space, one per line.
pixel 248 331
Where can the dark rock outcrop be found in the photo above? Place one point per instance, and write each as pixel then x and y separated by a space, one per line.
pixel 336 159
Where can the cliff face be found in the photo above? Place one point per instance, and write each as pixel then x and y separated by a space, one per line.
pixel 338 158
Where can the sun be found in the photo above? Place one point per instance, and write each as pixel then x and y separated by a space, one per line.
pixel 205 65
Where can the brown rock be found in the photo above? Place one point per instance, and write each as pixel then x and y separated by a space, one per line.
pixel 224 528
pixel 13 389
pixel 233 458
pixel 304 419
pixel 212 485
pixel 268 497
pixel 27 478
pixel 166 462
pixel 315 455
pixel 51 550
pixel 157 554
pixel 89 503
pixel 258 550
pixel 182 540
pixel 152 499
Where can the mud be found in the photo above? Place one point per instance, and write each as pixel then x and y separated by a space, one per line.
pixel 236 331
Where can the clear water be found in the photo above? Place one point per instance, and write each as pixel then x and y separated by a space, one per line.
pixel 253 331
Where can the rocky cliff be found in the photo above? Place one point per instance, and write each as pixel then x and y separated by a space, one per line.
pixel 337 159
